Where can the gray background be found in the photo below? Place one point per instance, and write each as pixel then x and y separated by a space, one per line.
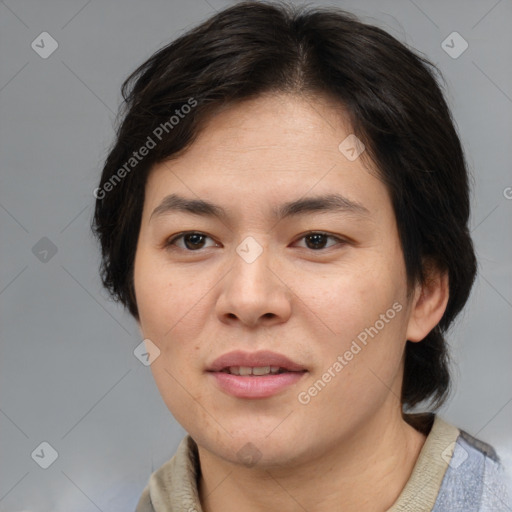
pixel 68 373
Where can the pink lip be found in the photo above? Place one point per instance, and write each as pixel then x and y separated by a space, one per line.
pixel 255 387
pixel 249 386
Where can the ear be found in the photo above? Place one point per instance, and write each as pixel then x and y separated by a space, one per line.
pixel 429 303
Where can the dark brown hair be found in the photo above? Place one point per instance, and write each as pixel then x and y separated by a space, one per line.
pixel 394 104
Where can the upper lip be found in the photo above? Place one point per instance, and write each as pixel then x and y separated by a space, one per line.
pixel 254 359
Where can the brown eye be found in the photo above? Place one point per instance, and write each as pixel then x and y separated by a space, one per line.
pixel 318 241
pixel 191 241
pixel 194 241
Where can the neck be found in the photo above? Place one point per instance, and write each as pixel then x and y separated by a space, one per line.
pixel 363 473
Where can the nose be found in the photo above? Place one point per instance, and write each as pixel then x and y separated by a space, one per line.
pixel 253 293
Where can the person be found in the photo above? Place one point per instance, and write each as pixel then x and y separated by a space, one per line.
pixel 285 213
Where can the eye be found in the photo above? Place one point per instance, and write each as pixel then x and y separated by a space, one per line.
pixel 317 240
pixel 192 241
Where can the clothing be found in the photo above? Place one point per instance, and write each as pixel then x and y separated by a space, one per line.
pixel 454 472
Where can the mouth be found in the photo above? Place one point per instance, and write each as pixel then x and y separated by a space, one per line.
pixel 256 371
pixel 263 362
pixel 255 375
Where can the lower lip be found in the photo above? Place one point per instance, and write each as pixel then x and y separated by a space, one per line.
pixel 255 387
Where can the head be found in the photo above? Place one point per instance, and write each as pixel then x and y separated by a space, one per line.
pixel 297 186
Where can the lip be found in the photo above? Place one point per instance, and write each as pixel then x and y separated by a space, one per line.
pixel 248 386
pixel 261 358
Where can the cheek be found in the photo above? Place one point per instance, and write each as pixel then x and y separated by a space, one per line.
pixel 169 308
pixel 347 301
pixel 164 296
pixel 173 308
pixel 359 322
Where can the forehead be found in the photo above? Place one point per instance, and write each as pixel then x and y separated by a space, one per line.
pixel 273 148
pixel 274 124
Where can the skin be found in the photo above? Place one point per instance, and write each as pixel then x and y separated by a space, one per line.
pixel 348 448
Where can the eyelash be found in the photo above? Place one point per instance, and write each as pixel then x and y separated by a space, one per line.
pixel 170 243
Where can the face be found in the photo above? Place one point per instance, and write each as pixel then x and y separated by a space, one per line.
pixel 294 266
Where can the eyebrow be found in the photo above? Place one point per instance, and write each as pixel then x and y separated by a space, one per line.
pixel 323 203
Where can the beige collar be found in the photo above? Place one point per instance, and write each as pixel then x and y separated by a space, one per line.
pixel 421 490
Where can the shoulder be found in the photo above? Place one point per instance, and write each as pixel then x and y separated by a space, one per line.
pixel 173 486
pixel 475 479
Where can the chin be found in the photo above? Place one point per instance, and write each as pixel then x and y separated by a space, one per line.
pixel 252 447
